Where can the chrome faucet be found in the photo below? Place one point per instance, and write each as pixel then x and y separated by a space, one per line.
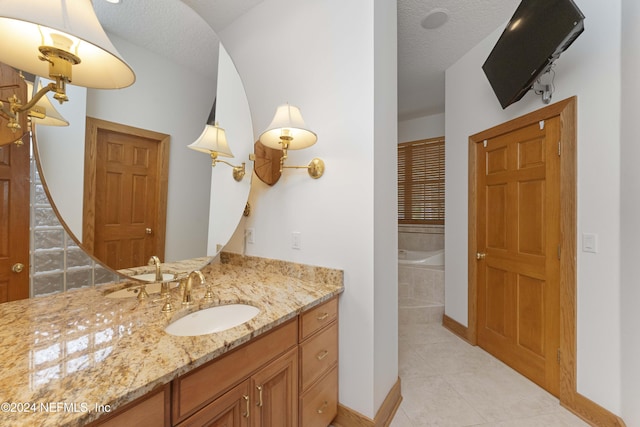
pixel 186 296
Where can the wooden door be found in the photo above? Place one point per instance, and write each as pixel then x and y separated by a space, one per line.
pixel 125 194
pixel 14 221
pixel 518 241
pixel 276 392
pixel 232 409
pixel 14 194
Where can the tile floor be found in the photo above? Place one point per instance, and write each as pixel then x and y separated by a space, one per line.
pixel 447 382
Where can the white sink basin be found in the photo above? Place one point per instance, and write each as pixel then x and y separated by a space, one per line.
pixel 151 277
pixel 211 320
pixel 152 288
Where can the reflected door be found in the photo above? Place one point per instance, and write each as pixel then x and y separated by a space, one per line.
pixel 125 214
pixel 518 239
pixel 14 221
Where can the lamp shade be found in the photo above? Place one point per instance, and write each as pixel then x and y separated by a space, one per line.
pixel 70 25
pixel 52 116
pixel 212 140
pixel 288 123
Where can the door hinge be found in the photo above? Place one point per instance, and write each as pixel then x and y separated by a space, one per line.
pixel 558 355
pixel 559 148
pixel 559 251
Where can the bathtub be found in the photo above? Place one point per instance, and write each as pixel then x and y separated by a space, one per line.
pixel 406 257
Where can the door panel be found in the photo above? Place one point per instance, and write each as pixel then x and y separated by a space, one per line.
pixel 14 221
pixel 125 193
pixel 518 230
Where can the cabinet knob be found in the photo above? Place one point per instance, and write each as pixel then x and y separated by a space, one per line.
pixel 323 407
pixel 480 255
pixel 322 354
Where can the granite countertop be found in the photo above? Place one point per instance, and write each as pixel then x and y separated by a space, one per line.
pixel 66 356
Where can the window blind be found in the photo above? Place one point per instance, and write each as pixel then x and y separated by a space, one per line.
pixel 421 182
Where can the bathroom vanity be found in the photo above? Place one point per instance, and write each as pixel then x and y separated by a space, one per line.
pixel 79 357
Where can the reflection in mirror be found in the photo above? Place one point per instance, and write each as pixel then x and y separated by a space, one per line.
pixel 172 96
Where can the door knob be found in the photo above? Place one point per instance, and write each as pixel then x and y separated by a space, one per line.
pixel 480 255
pixel 17 267
pixel 147 230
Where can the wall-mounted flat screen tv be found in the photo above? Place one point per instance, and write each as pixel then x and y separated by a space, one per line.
pixel 536 35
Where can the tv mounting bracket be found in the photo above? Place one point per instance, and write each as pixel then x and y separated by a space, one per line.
pixel 544 88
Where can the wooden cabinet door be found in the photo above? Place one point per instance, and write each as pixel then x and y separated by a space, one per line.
pixel 151 410
pixel 232 409
pixel 275 388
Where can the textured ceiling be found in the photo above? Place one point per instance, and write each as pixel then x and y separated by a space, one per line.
pixel 173 28
pixel 169 28
pixel 424 55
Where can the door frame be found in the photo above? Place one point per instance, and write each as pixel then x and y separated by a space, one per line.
pixel 569 397
pixel 566 110
pixel 93 125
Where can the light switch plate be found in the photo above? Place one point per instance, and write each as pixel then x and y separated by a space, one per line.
pixel 589 243
pixel 296 240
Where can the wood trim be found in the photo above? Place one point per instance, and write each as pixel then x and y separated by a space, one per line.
pixel 592 413
pixel 472 245
pixel 390 406
pixel 568 395
pixel 347 417
pixel 89 197
pixel 457 328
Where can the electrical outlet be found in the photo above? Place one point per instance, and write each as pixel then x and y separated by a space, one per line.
pixel 296 240
pixel 249 232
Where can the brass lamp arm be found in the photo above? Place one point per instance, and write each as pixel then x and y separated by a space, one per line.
pixel 227 163
pixel 16 107
pixel 238 171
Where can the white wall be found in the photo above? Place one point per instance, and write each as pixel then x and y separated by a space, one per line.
pixel 326 57
pixel 590 69
pixel 421 128
pixel 630 207
pixel 385 206
pixel 228 196
pixel 61 153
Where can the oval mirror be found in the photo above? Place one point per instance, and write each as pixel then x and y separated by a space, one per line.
pixel 120 176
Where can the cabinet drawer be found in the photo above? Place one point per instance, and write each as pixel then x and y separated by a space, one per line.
pixel 195 389
pixel 318 354
pixel 318 317
pixel 319 405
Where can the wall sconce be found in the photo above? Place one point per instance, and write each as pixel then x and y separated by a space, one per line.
pixel 44 113
pixel 288 131
pixel 213 141
pixel 63 41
